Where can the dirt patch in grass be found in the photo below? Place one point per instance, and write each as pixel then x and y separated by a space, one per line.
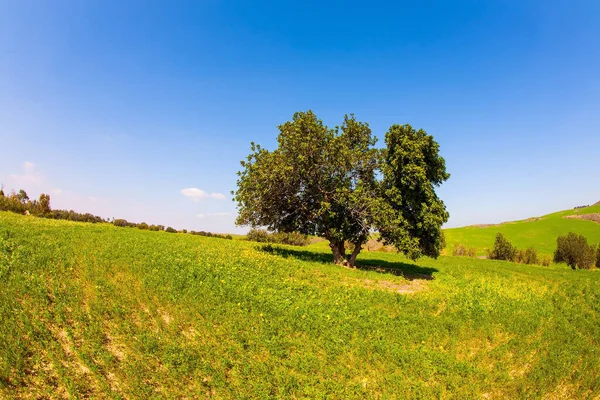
pixel 588 217
pixel 407 287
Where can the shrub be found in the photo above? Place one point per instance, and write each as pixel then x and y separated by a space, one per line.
pixel 598 256
pixel 258 235
pixel 528 256
pixel 170 230
pixel 289 238
pixel 462 250
pixel 545 261
pixel 503 249
pixel 120 222
pixel 574 250
pixel 143 226
pixel 459 250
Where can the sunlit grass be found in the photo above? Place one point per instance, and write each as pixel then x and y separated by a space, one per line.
pixel 100 311
pixel 540 233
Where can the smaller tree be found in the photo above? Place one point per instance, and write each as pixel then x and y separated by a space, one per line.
pixel 503 249
pixel 22 196
pixel 574 250
pixel 121 222
pixel 598 256
pixel 44 204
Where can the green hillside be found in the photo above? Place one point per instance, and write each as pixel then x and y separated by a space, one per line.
pixel 97 311
pixel 540 232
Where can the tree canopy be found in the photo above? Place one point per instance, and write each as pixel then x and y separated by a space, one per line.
pixel 334 183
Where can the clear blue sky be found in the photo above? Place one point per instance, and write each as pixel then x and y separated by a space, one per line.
pixel 115 107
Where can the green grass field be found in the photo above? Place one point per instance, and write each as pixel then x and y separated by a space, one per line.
pixel 98 311
pixel 540 233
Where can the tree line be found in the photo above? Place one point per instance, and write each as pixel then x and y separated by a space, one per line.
pixel 20 203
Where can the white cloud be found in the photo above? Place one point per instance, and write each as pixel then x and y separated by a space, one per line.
pixel 197 194
pixel 218 214
pixel 29 175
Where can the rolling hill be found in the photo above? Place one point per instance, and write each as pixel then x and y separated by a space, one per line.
pixel 98 311
pixel 539 232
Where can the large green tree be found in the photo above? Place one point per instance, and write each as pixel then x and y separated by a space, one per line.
pixel 336 184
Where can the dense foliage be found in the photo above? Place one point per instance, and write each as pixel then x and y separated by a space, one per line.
pixel 335 184
pixel 574 250
pixel 503 249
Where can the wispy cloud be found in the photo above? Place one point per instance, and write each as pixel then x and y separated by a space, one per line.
pixel 29 176
pixel 218 214
pixel 198 194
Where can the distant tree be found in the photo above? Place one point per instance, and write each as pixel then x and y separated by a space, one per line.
pixel 143 226
pixel 44 204
pixel 170 230
pixel 120 222
pixel 574 250
pixel 22 196
pixel 335 184
pixel 503 249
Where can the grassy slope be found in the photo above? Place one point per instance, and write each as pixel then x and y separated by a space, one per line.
pixel 541 233
pixel 100 311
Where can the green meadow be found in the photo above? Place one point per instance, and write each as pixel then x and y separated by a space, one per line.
pixel 540 232
pixel 97 311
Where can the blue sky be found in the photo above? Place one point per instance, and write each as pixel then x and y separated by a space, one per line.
pixel 116 108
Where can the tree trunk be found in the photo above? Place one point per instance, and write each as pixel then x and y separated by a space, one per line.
pixel 352 259
pixel 339 252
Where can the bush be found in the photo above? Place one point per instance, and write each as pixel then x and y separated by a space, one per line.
pixel 462 250
pixel 574 250
pixel 598 256
pixel 289 238
pixel 258 235
pixel 528 256
pixel 143 226
pixel 545 261
pixel 503 249
pixel 121 222
pixel 170 230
